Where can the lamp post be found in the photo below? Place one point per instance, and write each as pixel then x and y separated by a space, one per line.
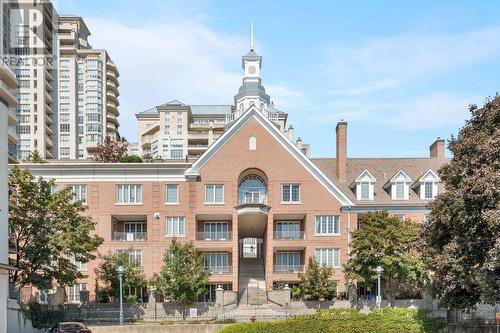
pixel 379 270
pixel 120 271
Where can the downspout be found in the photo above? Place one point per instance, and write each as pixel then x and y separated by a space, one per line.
pixel 349 230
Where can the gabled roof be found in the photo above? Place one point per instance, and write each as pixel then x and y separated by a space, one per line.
pixel 428 176
pixel 398 177
pixel 236 126
pixel 364 176
pixel 173 102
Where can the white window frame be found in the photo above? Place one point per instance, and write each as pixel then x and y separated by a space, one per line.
pixel 175 226
pixel 124 194
pixel 176 202
pixel 324 254
pixel 321 225
pixel 79 193
pixel 290 191
pixel 212 200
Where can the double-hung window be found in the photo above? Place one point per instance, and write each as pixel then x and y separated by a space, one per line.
pixel 175 226
pixel 80 266
pixel 214 194
pixel 79 193
pixel 290 193
pixel 365 191
pixel 400 190
pixel 428 190
pixel 74 291
pixel 171 193
pixel 129 194
pixel 328 257
pixel 328 225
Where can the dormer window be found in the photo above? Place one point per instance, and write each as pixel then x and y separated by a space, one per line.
pixel 399 186
pixel 363 186
pixel 427 185
pixel 365 191
pixel 400 190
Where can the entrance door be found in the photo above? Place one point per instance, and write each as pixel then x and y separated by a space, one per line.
pixel 251 248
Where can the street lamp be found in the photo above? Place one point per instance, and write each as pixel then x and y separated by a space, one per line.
pixel 379 270
pixel 120 271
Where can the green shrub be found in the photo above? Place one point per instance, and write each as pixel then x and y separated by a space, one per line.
pixel 225 321
pixel 41 318
pixel 387 320
pixel 131 159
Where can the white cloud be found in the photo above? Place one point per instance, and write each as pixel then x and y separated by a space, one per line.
pixel 421 112
pixel 181 60
pixel 284 96
pixel 385 62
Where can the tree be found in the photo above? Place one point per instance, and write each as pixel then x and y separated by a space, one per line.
pixel 131 159
pixel 47 230
pixel 315 283
pixel 182 277
pixel 107 272
pixel 111 151
pixel 462 235
pixel 385 240
pixel 35 157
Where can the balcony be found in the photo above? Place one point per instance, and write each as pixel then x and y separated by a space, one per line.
pixel 272 116
pixel 213 236
pixel 252 198
pixel 219 270
pixel 291 269
pixel 129 236
pixel 288 235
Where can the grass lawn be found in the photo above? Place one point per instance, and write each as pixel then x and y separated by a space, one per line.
pixel 387 320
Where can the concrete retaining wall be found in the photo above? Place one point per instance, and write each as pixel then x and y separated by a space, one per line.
pixel 16 322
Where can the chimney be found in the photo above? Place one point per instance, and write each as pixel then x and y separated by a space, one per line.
pixel 298 143
pixel 289 132
pixel 437 148
pixel 341 159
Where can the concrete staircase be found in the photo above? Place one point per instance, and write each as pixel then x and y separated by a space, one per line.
pixel 252 283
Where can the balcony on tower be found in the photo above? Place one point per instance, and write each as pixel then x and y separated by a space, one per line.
pixel 129 228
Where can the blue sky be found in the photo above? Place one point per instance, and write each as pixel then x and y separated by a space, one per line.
pixel 402 73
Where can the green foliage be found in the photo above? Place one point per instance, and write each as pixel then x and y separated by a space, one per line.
pixel 41 318
pixel 131 159
pixel 392 243
pixel 387 320
pixel 46 229
pixel 462 236
pixel 315 283
pixel 35 157
pixel 182 277
pixel 107 272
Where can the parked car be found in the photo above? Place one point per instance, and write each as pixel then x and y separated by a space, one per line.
pixel 70 327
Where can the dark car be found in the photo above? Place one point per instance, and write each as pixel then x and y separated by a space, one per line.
pixel 70 327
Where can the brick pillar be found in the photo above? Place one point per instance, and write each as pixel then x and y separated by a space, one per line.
pixel 341 158
pixel 268 252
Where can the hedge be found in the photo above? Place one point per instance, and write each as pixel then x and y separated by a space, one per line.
pixel 386 320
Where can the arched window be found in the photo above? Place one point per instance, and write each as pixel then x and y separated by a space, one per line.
pixel 241 107
pixel 252 143
pixel 252 190
pixel 262 106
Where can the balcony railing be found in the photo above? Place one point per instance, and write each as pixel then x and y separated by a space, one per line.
pixel 289 235
pixel 252 198
pixel 288 268
pixel 129 236
pixel 214 235
pixel 219 269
